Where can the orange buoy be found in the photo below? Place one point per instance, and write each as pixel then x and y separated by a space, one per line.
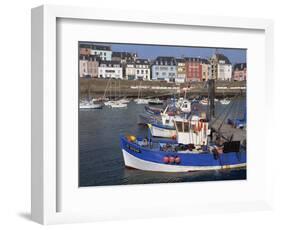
pixel 131 138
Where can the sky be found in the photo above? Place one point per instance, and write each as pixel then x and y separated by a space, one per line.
pixel 152 51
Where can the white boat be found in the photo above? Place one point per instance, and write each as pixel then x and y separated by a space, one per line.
pixel 108 103
pixel 117 104
pixel 204 101
pixel 159 130
pixel 166 127
pixel 155 101
pixel 124 100
pixel 141 101
pixel 225 101
pixel 84 105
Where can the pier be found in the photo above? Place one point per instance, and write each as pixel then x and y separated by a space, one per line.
pixel 96 87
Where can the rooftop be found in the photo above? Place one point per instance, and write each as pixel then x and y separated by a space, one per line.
pixel 142 62
pixel 124 54
pixel 192 59
pixel 110 62
pixel 94 46
pixel 221 57
pixel 240 66
pixel 165 60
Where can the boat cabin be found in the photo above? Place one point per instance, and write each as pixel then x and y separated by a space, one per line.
pixel 194 130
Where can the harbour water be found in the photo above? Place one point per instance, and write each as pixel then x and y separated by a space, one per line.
pixel 100 157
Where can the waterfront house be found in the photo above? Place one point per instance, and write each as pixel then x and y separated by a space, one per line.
pixel 123 57
pixel 142 71
pixel 221 68
pixel 206 69
pixel 164 68
pixel 130 71
pixel 240 72
pixel 90 48
pixel 104 52
pixel 224 68
pixel 93 65
pixel 193 69
pixel 85 49
pixel 88 65
pixel 110 69
pixel 181 71
pixel 83 66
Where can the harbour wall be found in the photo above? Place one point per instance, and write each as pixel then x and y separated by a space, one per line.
pixel 132 88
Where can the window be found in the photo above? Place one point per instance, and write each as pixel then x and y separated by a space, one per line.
pixel 138 71
pixel 142 71
pixel 179 126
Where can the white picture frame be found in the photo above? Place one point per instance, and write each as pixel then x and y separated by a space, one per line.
pixel 45 162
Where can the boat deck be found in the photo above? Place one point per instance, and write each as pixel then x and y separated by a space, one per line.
pixel 227 131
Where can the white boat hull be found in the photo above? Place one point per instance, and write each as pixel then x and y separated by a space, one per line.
pixel 141 101
pixel 118 105
pixel 90 106
pixel 108 103
pixel 134 162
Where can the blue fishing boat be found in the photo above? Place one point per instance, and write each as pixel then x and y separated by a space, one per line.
pixel 153 110
pixel 190 151
pixel 145 118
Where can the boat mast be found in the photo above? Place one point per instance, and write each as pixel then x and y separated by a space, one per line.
pixel 211 98
pixel 139 93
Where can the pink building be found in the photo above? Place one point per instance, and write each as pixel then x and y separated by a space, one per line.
pixel 240 72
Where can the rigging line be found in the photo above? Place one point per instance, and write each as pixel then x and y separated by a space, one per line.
pixel 237 112
pixel 226 115
pixel 222 112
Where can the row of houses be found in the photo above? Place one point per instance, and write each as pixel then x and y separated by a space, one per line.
pixel 100 61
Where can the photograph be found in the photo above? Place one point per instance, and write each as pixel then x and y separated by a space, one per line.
pixel 154 113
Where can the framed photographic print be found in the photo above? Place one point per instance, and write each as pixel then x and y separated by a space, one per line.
pixel 136 109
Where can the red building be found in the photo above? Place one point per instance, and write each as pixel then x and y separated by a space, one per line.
pixel 193 69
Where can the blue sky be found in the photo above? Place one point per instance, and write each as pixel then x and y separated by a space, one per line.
pixel 152 51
